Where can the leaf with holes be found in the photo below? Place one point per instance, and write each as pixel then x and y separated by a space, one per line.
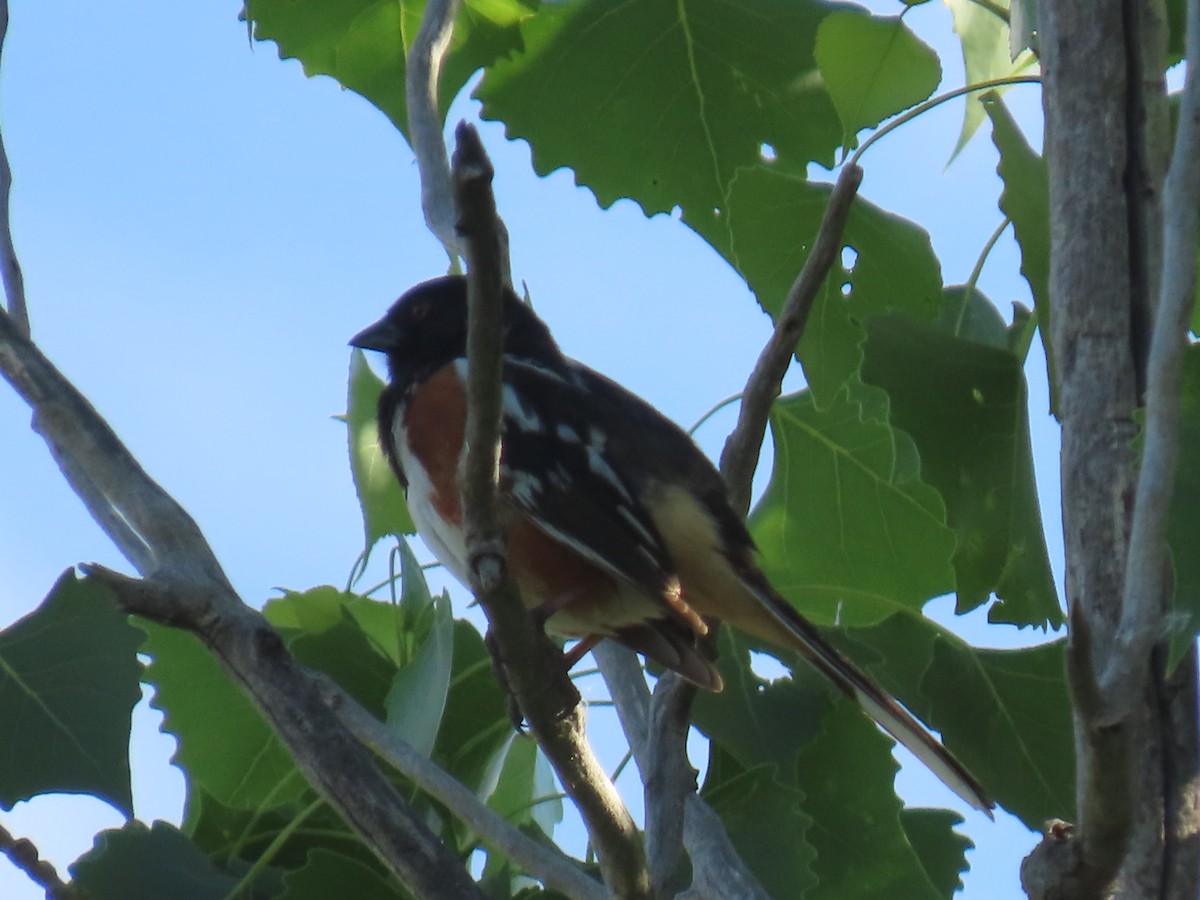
pixel 963 401
pixel 767 234
pixel 68 684
pixel 666 102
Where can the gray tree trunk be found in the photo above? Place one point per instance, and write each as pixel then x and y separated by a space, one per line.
pixel 1105 150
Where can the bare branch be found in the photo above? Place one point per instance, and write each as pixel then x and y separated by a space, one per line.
pixel 422 70
pixel 740 456
pixel 533 667
pixel 293 700
pixel 10 267
pixel 22 853
pixel 717 869
pixel 1145 574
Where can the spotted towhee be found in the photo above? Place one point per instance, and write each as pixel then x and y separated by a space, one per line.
pixel 618 525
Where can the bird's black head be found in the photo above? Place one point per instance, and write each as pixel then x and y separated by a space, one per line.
pixel 427 328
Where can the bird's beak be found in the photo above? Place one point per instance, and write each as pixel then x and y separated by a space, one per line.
pixel 381 336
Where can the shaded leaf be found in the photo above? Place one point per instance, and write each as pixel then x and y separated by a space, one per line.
pixel 754 721
pixel 140 863
pixel 1026 200
pixel 327 874
pixel 475 726
pixel 665 102
pixel 362 43
pixel 224 745
pixel 765 821
pixel 526 793
pixel 333 642
pixel 941 850
pixel 873 67
pixel 863 851
pixel 964 403
pixel 1183 523
pixel 766 234
pixel 68 684
pixel 847 529
pixel 379 494
pixel 1004 713
pixel 416 699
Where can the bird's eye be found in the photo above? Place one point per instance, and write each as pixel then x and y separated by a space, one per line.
pixel 420 311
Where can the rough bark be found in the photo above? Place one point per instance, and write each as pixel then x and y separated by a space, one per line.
pixel 1135 757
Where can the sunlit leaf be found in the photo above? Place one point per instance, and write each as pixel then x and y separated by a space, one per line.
pixel 873 67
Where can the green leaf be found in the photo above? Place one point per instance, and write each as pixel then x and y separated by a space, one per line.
pixel 475 725
pixel 985 47
pixel 765 821
pixel 333 641
pixel 1026 200
pixel 665 102
pixel 964 403
pixel 68 684
pixel 225 746
pixel 379 495
pixel 863 851
pixel 416 699
pixel 754 721
pixel 874 67
pixel 362 43
pixel 941 850
pixel 327 874
pixel 140 863
pixel 766 234
pixel 1004 713
pixel 847 529
pixel 526 793
pixel 1183 522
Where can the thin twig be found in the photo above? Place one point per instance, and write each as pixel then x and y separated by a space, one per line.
pixel 1145 574
pixel 10 266
pixel 533 667
pixel 717 869
pixel 422 70
pixel 22 853
pixel 740 456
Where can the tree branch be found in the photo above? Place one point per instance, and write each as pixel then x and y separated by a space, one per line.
pixel 717 869
pixel 543 861
pixel 422 70
pixel 1141 624
pixel 186 587
pixel 657 727
pixel 22 853
pixel 533 667
pixel 292 699
pixel 10 266
pixel 739 459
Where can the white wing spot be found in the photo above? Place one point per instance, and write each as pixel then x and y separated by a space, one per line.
pixel 525 418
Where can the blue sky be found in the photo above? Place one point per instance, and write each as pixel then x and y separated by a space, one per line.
pixel 202 228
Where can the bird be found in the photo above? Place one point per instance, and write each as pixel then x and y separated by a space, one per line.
pixel 618 526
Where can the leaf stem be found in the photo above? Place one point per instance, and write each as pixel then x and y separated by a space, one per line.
pixel 922 108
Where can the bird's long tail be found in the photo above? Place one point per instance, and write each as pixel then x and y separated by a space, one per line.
pixel 877 703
